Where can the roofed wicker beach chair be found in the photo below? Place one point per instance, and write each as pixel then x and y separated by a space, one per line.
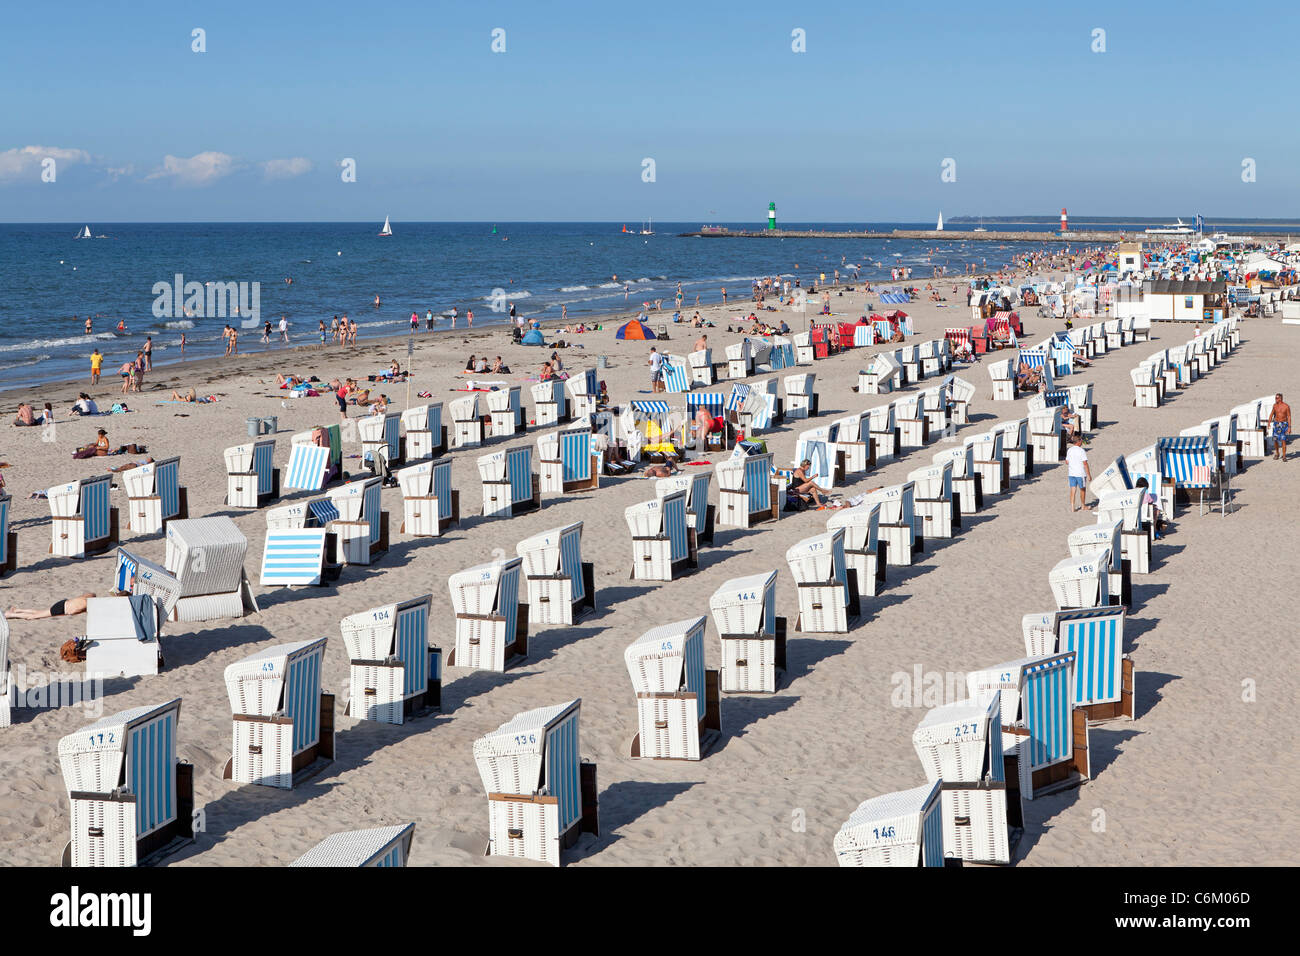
pixel 882 374
pixel 466 421
pixel 747 495
pixel 864 547
pixel 395 672
pixel 84 522
pixel 154 495
pixel 560 584
pixel 283 720
pixel 677 700
pixel 505 412
pixel 541 794
pixel 896 829
pixel 509 485
pixel 700 514
pixel 550 403
pixel 935 505
pixel 828 590
pixel 426 435
pixel 568 461
pixel 751 634
pixel 378 846
pixel 884 432
pixel 1104 676
pixel 901 526
pixel 252 479
pixel 800 395
pixel 663 545
pixel 429 504
pixel 1018 448
pixel 206 555
pixel 491 626
pixel 967 484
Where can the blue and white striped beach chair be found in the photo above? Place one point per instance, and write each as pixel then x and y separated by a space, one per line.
pixel 864 548
pixel 509 485
pixel 782 353
pixel 568 461
pixel 935 505
pixel 541 795
pixel 560 584
pixel 663 546
pixel 1104 675
pixel 134 575
pixel 429 504
pixel 897 829
pixel 550 403
pixel 828 593
pixel 252 479
pixel 466 421
pixel 84 522
pixel 8 539
pixel 716 405
pixel 395 673
pixel 960 748
pixel 505 412
pixel 1191 462
pixel 357 519
pixel 864 335
pixel 746 493
pixel 130 797
pixel 753 638
pixel 584 392
pixel 378 846
pixel 283 720
pixel 426 436
pixel 381 434
pixel 740 359
pixel 700 513
pixel 309 464
pixel 1041 730
pixel 967 485
pixel 678 710
pixel 154 495
pixel 901 525
pixel 491 630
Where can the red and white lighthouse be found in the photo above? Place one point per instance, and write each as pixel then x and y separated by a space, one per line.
pixel 1065 223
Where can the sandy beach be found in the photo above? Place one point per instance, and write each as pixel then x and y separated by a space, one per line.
pixel 1192 781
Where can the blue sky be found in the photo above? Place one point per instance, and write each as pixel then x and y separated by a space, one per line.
pixel 556 127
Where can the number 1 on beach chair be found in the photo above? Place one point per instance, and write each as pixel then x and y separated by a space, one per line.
pixel 429 504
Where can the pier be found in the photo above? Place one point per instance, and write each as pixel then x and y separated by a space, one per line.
pixel 923 234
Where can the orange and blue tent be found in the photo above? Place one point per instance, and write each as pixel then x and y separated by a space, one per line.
pixel 636 331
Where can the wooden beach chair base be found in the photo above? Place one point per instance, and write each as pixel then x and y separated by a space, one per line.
pixel 378 679
pixel 164 841
pixel 1114 710
pixel 11 554
pixel 305 765
pixel 743 682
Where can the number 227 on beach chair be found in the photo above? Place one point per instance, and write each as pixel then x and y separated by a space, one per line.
pixel 677 702
pixel 283 721
pixel 131 799
pixel 541 794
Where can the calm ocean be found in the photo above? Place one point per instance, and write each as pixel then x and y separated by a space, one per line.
pixel 47 277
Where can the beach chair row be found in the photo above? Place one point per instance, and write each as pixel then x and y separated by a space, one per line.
pixel 1170 369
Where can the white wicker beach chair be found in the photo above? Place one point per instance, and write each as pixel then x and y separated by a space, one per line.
pixel 1229 443
pixel 1106 539
pixel 854 442
pixel 901 526
pixel 283 720
pixel 1145 389
pixel 354 515
pixel 1017 447
pixel 541 795
pixel 584 392
pixel 747 494
pixel 990 460
pixel 700 515
pixel 1046 434
pixel 897 829
pixel 1104 675
pixel 568 461
pixel 207 557
pixel 882 374
pixel 911 362
pixel 395 672
pixel 426 435
pixel 1081 402
pixel 429 504
pixel 84 522
pixel 491 625
pixel 1003 373
pixel 701 367
pixel 967 486
pixel 934 406
pixel 677 703
pixel 828 591
pixel 803 348
pixel 740 361
pixel 154 495
pixel 509 485
pixel 131 799
pixel 936 356
pixel 960 394
pixel 505 412
pixel 1250 428
pixel 913 426
pixel 800 395
pixel 381 436
pixel 751 634
pixel 960 747
pixel 550 403
pixel 663 545
pixel 864 546
pixel 251 476
pixel 1041 730
pixel 1081 582
pixel 466 421
pixel 8 539
pixel 379 846
pixel 560 584
pixel 935 505
pixel 884 433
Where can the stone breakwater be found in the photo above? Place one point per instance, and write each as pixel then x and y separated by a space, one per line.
pixel 926 234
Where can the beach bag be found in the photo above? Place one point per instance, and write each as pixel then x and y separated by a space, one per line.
pixel 73 651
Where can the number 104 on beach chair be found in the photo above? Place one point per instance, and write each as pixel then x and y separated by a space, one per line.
pixel 395 673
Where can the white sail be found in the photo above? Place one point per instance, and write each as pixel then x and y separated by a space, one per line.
pixel 939 228
pixel 85 233
pixel 387 230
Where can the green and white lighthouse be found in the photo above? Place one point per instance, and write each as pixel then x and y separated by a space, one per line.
pixel 771 216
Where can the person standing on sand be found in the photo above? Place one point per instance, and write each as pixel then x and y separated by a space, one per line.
pixel 656 363
pixel 96 363
pixel 1280 419
pixel 1079 472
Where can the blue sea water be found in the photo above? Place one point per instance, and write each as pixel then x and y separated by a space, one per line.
pixel 47 277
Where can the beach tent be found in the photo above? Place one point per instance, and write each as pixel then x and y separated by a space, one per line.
pixel 534 337
pixel 635 331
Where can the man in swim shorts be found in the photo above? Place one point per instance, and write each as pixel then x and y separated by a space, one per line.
pixel 65 608
pixel 1280 419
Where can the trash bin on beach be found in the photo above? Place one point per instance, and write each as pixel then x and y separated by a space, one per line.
pixel 602 361
pixel 254 427
pixel 271 424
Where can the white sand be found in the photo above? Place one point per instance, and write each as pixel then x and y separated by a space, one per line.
pixel 1199 778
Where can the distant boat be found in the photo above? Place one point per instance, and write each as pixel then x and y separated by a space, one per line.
pixel 625 228
pixel 494 229
pixel 648 229
pixel 387 230
pixel 939 228
pixel 84 234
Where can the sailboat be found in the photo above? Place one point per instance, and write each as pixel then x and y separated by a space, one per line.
pixel 649 229
pixel 939 227
pixel 387 230
pixel 84 234
pixel 625 228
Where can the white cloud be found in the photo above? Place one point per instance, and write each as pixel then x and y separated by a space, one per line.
pixel 117 172
pixel 286 168
pixel 198 170
pixel 25 161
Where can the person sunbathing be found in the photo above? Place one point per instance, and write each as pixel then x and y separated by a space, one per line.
pixel 1028 379
pixel 65 608
pixel 546 373
pixel 665 470
pixel 189 396
pixel 128 465
pixel 288 381
pixel 804 486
